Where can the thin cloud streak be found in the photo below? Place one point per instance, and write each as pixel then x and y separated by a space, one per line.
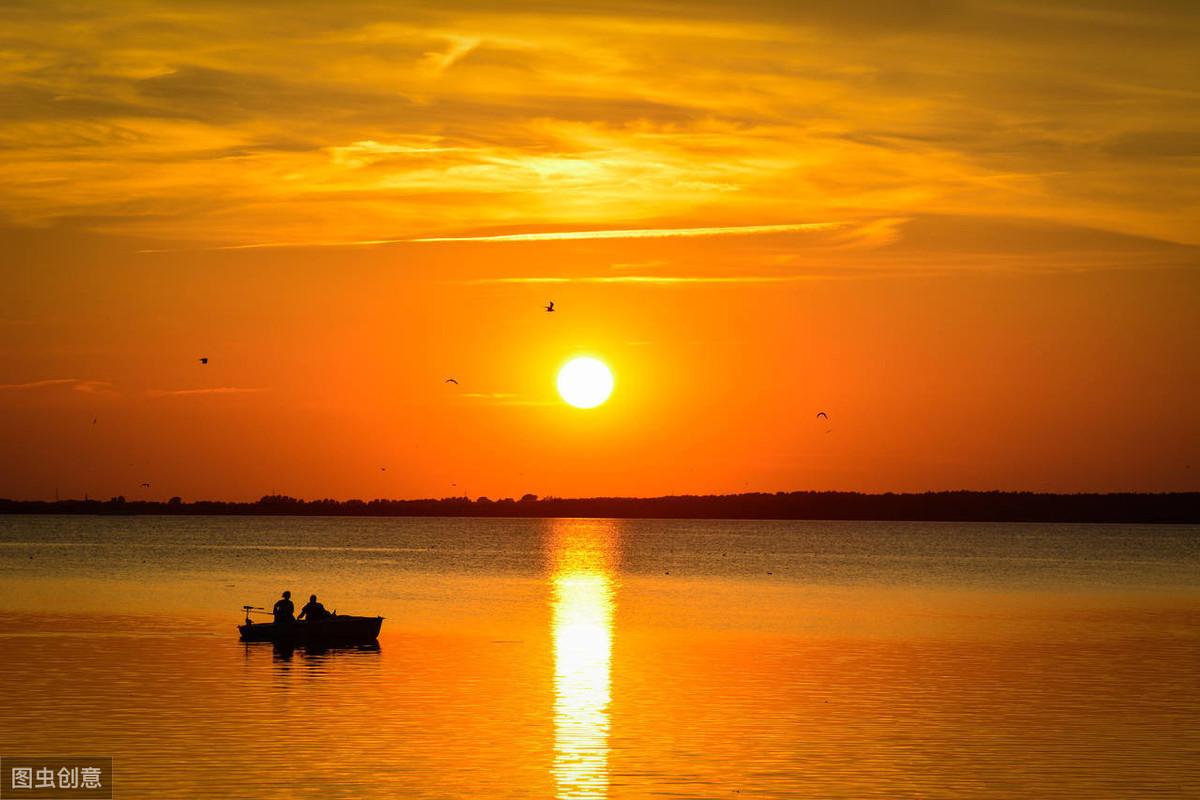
pixel 662 279
pixel 78 384
pixel 273 245
pixel 217 390
pixel 643 233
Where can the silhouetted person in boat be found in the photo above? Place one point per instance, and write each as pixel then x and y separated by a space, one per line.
pixel 284 609
pixel 313 610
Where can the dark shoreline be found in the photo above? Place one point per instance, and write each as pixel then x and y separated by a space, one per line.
pixel 959 506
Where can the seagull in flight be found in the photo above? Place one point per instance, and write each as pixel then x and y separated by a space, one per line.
pixel 145 486
pixel 451 380
pixel 550 307
pixel 822 415
pixel 203 360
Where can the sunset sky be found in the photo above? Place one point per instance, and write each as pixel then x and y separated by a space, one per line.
pixel 967 231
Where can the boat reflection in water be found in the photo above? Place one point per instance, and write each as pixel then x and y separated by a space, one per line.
pixel 582 557
pixel 283 651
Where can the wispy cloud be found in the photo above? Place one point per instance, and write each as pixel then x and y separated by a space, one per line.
pixel 641 233
pixel 665 280
pixel 299 244
pixel 443 116
pixel 216 390
pixel 85 385
pixel 546 236
pixel 437 62
pixel 871 234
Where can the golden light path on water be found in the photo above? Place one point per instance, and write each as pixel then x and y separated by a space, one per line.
pixel 583 598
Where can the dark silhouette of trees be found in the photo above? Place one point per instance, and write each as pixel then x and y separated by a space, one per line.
pixel 1179 507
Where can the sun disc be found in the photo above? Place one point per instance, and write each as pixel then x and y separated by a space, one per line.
pixel 585 382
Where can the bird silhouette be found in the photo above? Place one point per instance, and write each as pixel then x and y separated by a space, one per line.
pixel 550 307
pixel 203 360
pixel 451 380
pixel 822 415
pixel 383 469
pixel 94 420
pixel 145 486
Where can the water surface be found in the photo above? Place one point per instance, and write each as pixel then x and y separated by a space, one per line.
pixel 610 658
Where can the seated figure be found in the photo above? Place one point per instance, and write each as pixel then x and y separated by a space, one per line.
pixel 313 610
pixel 283 609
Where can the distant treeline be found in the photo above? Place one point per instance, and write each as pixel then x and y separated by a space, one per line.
pixel 1178 507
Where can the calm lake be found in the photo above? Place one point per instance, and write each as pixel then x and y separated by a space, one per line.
pixel 583 658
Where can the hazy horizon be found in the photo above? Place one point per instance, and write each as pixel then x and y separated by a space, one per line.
pixel 250 499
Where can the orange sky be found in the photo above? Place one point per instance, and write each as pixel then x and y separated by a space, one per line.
pixel 967 231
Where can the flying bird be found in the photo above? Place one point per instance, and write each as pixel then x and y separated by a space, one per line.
pixel 145 486
pixel 822 415
pixel 451 380
pixel 94 420
pixel 203 360
pixel 550 307
pixel 383 469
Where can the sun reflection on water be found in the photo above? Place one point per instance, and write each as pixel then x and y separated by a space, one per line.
pixel 583 598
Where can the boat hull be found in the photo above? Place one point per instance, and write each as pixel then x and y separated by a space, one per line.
pixel 331 630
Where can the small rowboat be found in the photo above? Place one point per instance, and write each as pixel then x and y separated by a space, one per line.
pixel 334 629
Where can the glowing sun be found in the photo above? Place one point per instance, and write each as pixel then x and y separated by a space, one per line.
pixel 585 382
